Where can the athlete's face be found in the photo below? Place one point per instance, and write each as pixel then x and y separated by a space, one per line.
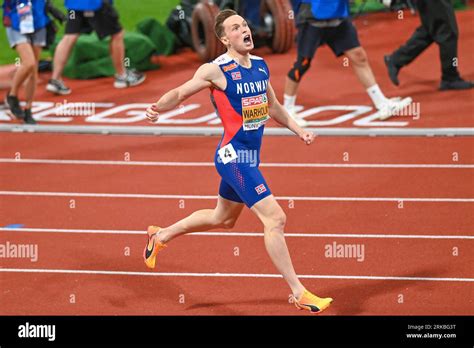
pixel 237 34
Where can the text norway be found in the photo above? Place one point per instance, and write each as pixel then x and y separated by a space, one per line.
pixel 252 87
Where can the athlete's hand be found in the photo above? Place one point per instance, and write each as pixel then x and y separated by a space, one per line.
pixel 307 137
pixel 152 114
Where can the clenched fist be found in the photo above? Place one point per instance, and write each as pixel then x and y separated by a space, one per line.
pixel 307 137
pixel 152 114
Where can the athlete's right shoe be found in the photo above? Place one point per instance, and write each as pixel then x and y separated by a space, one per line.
pixel 57 87
pixel 153 246
pixel 312 303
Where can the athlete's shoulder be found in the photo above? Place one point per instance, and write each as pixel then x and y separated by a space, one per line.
pixel 254 57
pixel 222 59
pixel 208 71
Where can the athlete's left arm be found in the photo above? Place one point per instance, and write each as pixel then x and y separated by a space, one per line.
pixel 279 114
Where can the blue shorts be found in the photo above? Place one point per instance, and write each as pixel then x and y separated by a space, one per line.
pixel 242 181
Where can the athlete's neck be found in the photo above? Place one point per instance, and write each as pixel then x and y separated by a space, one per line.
pixel 241 59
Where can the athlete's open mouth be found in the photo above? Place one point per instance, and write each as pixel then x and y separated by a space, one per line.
pixel 247 39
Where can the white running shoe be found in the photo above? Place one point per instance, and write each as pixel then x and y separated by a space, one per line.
pixel 131 78
pixel 394 107
pixel 57 87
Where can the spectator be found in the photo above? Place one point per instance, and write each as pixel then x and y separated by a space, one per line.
pixel 438 24
pixel 83 17
pixel 25 22
pixel 322 22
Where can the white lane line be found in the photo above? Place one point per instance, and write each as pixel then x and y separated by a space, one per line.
pixel 211 164
pixel 285 198
pixel 226 275
pixel 240 234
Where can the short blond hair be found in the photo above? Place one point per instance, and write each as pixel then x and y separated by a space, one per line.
pixel 220 18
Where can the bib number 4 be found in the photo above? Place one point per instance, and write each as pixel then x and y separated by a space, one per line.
pixel 227 154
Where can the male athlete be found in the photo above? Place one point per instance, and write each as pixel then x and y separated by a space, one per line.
pixel 322 22
pixel 244 100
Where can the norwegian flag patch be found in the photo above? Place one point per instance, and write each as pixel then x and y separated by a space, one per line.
pixel 236 75
pixel 260 189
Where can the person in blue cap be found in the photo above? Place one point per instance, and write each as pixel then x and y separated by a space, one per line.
pixel 25 22
pixel 327 22
pixel 84 16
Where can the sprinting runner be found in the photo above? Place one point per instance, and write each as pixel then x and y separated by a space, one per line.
pixel 244 100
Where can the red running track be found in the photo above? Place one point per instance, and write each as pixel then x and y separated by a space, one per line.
pixel 425 259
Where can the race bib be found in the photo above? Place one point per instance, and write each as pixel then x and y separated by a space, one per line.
pixel 25 13
pixel 227 154
pixel 255 111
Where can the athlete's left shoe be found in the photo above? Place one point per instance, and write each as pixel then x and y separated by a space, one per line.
pixel 312 303
pixel 153 246
pixel 393 107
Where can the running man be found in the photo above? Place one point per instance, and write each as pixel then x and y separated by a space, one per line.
pixel 322 22
pixel 244 100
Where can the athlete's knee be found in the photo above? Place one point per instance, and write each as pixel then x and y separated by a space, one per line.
pixel 224 220
pixel 300 68
pixel 229 223
pixel 358 56
pixel 277 221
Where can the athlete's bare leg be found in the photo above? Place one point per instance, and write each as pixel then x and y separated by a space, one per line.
pixel 274 219
pixel 360 63
pixel 291 87
pixel 224 215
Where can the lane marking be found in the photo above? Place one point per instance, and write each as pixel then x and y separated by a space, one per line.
pixel 208 131
pixel 199 197
pixel 227 275
pixel 240 234
pixel 211 164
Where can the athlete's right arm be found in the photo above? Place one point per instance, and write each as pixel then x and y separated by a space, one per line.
pixel 206 76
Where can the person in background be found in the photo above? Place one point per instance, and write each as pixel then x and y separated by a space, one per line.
pixel 25 22
pixel 83 17
pixel 438 24
pixel 322 22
